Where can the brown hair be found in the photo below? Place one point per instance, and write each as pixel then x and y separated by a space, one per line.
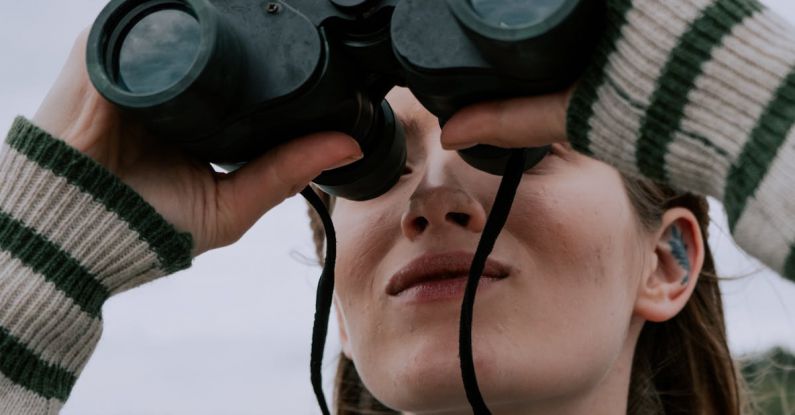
pixel 681 366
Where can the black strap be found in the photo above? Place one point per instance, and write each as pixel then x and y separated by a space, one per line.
pixel 494 223
pixel 325 292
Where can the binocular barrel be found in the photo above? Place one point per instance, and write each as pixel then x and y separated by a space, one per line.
pixel 228 80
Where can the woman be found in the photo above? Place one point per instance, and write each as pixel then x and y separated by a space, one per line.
pixel 589 268
pixel 692 93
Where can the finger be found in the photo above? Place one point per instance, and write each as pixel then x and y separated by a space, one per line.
pixel 245 195
pixel 520 122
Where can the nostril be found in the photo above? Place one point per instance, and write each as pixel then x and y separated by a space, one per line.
pixel 421 223
pixel 458 218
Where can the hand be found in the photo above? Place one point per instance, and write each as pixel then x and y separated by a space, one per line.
pixel 215 208
pixel 514 123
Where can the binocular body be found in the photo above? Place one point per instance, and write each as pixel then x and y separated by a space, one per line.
pixel 228 80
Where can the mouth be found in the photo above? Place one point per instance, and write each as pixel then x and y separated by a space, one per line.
pixel 441 272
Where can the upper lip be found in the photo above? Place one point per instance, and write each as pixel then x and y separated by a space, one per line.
pixel 430 267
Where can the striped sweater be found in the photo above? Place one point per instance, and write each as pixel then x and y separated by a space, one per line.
pixel 699 94
pixel 71 235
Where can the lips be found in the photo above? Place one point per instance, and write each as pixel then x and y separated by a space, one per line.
pixel 436 267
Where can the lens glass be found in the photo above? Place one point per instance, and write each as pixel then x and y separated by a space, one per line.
pixel 159 51
pixel 512 14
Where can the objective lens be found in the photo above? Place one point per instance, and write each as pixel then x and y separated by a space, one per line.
pixel 511 14
pixel 159 51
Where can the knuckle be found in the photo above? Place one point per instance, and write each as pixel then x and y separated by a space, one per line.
pixel 286 180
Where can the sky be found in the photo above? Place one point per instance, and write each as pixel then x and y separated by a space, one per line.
pixel 231 334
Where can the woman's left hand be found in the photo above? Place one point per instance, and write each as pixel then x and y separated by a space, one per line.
pixel 513 123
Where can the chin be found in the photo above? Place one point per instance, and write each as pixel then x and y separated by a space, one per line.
pixel 422 376
pixel 424 388
pixel 425 377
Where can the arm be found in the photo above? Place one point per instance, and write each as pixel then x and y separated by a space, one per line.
pixel 90 206
pixel 697 94
pixel 71 235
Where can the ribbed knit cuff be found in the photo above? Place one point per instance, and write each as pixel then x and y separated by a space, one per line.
pixel 700 95
pixel 71 235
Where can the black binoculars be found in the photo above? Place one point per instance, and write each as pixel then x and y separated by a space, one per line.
pixel 227 80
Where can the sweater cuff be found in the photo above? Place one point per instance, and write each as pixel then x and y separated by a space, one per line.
pixel 71 235
pixel 699 95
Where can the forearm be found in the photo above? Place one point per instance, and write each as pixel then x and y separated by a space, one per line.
pixel 700 95
pixel 71 235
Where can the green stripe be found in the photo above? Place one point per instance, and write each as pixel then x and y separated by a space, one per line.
pixel 172 248
pixel 45 258
pixel 721 152
pixel 678 78
pixel 758 154
pixel 583 101
pixel 789 266
pixel 24 368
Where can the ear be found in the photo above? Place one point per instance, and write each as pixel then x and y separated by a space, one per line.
pixel 678 257
pixel 346 349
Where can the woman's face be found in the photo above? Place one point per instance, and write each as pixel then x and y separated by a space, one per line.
pixel 553 312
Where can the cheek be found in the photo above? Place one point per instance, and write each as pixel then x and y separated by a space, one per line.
pixel 366 233
pixel 579 246
pixel 579 228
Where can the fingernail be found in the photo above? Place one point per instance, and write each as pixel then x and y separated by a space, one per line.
pixel 457 146
pixel 455 141
pixel 347 161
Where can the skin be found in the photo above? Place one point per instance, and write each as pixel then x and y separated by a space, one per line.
pixel 555 337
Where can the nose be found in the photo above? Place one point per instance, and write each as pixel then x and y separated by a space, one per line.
pixel 440 208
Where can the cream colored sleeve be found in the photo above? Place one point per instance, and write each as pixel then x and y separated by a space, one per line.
pixel 71 236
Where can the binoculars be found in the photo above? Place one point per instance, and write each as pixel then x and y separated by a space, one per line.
pixel 228 80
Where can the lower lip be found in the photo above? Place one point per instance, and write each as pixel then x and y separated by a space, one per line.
pixel 446 289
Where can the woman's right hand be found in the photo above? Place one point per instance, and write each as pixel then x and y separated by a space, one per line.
pixel 216 208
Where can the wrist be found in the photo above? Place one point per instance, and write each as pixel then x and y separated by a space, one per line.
pixel 91 216
pixel 71 236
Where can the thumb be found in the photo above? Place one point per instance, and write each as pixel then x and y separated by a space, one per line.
pixel 246 194
pixel 520 122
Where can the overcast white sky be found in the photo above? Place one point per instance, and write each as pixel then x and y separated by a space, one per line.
pixel 231 335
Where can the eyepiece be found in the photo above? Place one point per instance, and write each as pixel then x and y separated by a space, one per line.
pixel 158 51
pixel 381 166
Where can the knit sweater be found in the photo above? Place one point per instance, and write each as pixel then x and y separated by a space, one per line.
pixel 71 235
pixel 699 94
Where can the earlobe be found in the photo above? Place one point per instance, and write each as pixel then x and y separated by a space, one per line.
pixel 679 254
